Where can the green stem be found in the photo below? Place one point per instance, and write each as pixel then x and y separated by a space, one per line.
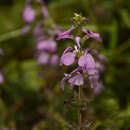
pixel 10 35
pixel 79 108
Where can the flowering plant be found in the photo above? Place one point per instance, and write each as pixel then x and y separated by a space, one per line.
pixel 44 32
pixel 87 68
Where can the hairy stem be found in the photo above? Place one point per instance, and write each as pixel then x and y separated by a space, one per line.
pixel 79 108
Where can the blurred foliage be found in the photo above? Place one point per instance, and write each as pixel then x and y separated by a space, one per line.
pixel 31 101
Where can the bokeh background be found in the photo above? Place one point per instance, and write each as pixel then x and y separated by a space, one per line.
pixel 31 97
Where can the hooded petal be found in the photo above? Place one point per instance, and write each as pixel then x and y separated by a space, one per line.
pixel 92 35
pixel 66 34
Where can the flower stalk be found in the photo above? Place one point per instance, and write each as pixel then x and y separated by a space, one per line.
pixel 88 69
pixel 79 108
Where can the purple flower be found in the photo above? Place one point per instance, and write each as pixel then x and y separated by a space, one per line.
pixel 29 14
pixel 99 56
pixel 54 60
pixel 66 34
pixel 45 12
pixel 43 58
pixel 87 63
pixel 1 78
pixel 78 38
pixel 100 67
pixel 48 45
pixel 76 80
pixel 93 81
pixel 92 35
pixel 98 89
pixel 68 57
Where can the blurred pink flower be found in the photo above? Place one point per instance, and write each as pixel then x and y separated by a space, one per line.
pixel 54 60
pixel 29 14
pixel 1 78
pixel 48 45
pixel 43 58
pixel 66 35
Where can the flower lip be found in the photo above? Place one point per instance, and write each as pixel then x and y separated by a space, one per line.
pixel 68 57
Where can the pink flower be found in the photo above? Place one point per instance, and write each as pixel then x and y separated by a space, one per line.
pixel 76 80
pixel 48 45
pixel 1 78
pixel 78 38
pixel 54 60
pixel 43 58
pixel 91 34
pixel 66 35
pixel 87 63
pixel 68 57
pixel 29 14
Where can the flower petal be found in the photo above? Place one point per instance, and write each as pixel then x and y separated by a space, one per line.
pixel 68 58
pixel 86 60
pixel 76 80
pixel 91 34
pixel 66 34
pixel 78 38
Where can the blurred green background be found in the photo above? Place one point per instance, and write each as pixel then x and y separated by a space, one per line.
pixel 28 101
